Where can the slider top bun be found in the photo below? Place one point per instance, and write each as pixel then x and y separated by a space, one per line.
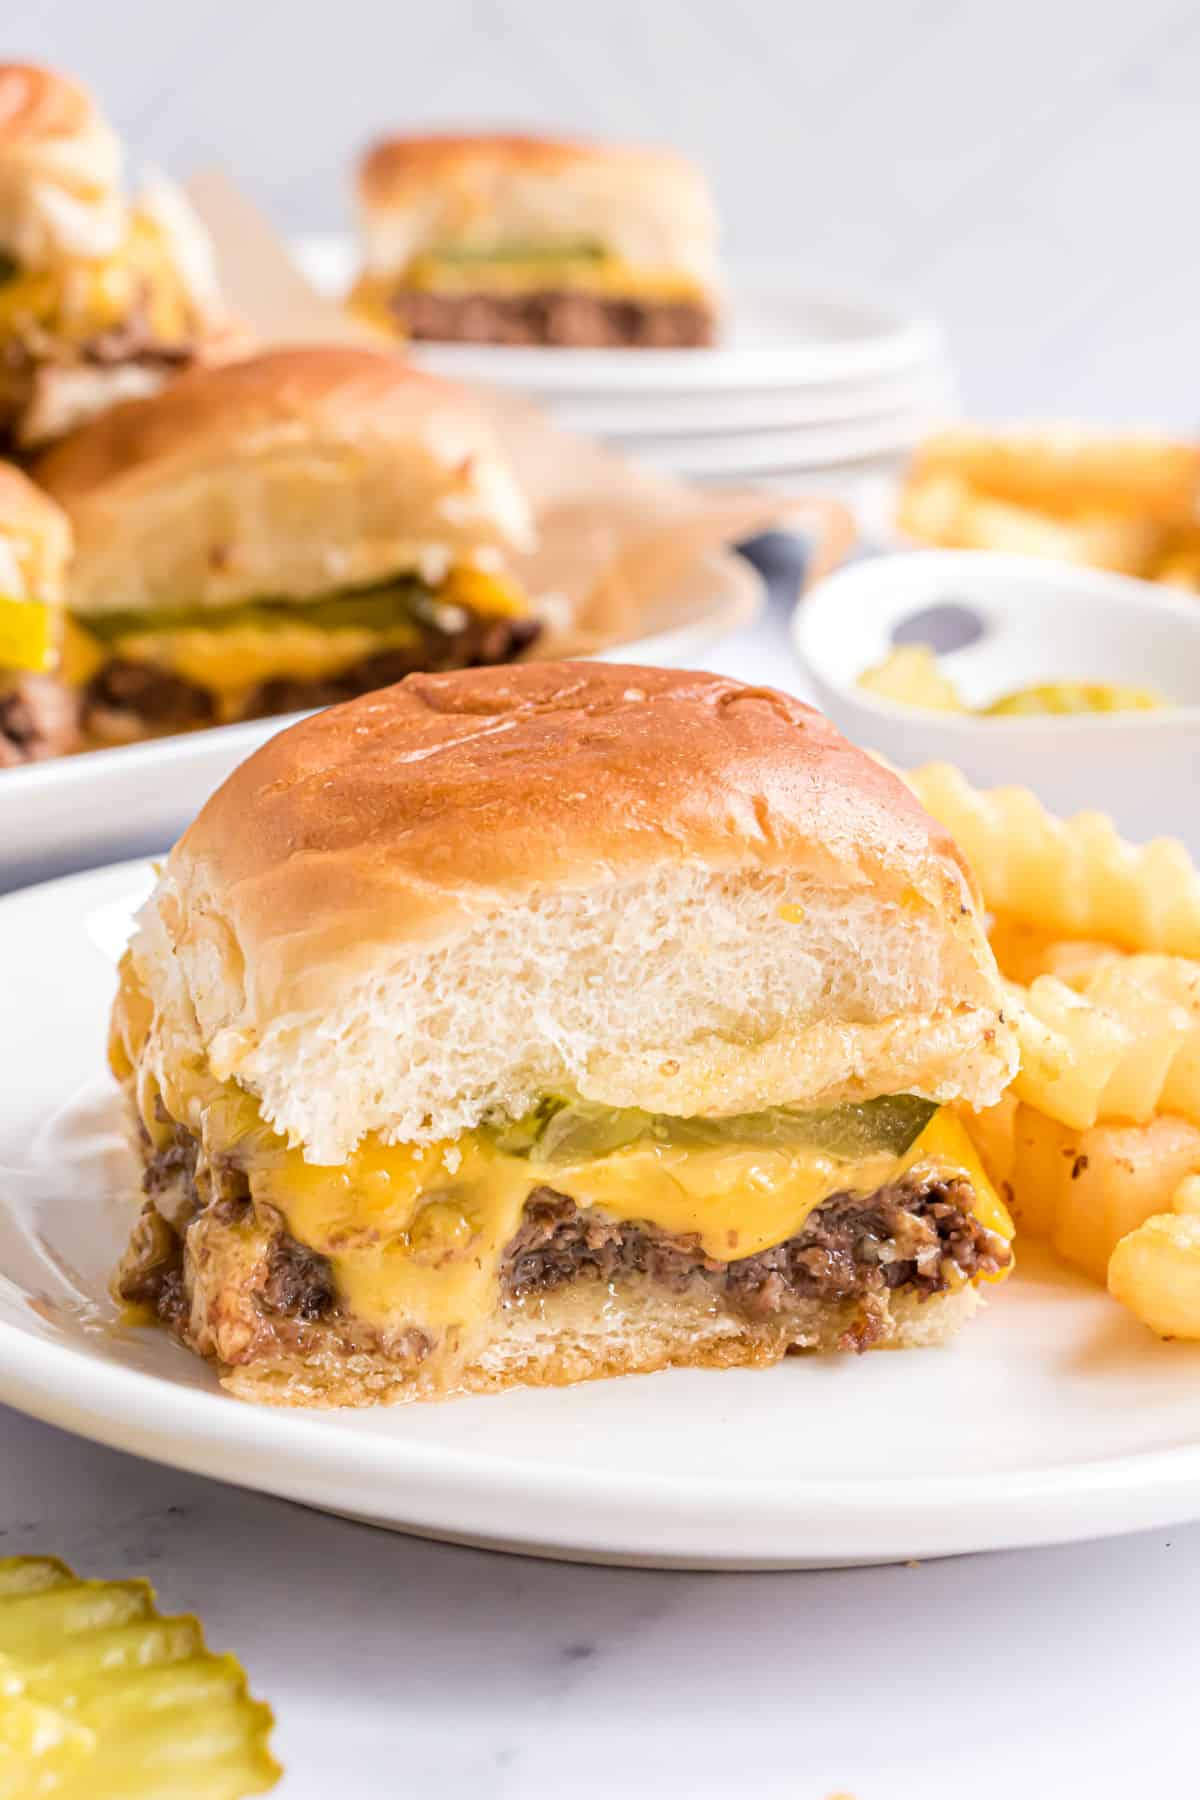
pixel 649 207
pixel 35 540
pixel 289 475
pixel 60 170
pixel 649 887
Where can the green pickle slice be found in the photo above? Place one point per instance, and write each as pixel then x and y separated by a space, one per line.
pixel 406 600
pixel 101 1698
pixel 576 1131
pixel 517 251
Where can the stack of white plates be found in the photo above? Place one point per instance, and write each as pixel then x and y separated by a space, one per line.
pixel 801 382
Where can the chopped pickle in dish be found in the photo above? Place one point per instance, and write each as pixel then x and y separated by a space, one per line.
pixel 1074 697
pixel 101 1698
pixel 27 637
pixel 912 675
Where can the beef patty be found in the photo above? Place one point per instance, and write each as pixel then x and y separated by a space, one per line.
pixel 918 1233
pixel 128 699
pixel 570 319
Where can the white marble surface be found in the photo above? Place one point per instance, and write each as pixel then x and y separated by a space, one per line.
pixel 404 1668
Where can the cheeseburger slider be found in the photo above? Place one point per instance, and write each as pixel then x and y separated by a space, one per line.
pixel 37 712
pixel 285 532
pixel 525 240
pixel 101 296
pixel 526 1025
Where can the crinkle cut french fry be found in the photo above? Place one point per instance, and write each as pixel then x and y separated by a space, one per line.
pixel 1070 1052
pixel 1118 1039
pixel 1075 878
pixel 1066 470
pixel 1082 1191
pixel 1155 1272
pixel 1025 951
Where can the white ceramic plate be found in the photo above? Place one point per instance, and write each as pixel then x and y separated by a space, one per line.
pixel 91 808
pixel 634 415
pixel 1054 1417
pixel 1024 620
pixel 776 333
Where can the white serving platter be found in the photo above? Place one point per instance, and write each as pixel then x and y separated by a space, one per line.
pixel 1054 1417
pixel 103 804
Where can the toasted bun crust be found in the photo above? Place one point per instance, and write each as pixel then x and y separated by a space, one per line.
pixel 659 889
pixel 292 473
pixel 60 170
pixel 631 1328
pixel 35 540
pixel 650 207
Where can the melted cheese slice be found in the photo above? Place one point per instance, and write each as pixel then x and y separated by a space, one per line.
pixel 417 1233
pixel 233 661
pixel 27 635
pixel 607 276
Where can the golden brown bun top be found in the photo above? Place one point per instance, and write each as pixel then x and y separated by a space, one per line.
pixel 394 166
pixel 399 805
pixel 228 405
pixel 298 472
pixel 650 208
pixel 35 539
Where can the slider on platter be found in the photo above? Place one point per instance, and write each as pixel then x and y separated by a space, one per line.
pixel 528 240
pixel 520 1026
pixel 38 712
pixel 101 296
pixel 284 532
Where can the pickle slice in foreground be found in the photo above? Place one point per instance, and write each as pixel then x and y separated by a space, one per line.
pixel 101 1698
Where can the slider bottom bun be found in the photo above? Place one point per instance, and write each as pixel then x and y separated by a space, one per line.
pixel 628 1328
pixel 580 1294
pixel 567 318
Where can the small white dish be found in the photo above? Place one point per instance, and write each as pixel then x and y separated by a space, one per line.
pixel 103 804
pixel 1054 1417
pixel 1034 621
pixel 775 334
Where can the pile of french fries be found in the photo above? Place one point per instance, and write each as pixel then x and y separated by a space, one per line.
pixel 1096 1145
pixel 1124 503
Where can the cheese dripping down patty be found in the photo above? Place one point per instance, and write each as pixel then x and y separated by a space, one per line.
pixel 415 1235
